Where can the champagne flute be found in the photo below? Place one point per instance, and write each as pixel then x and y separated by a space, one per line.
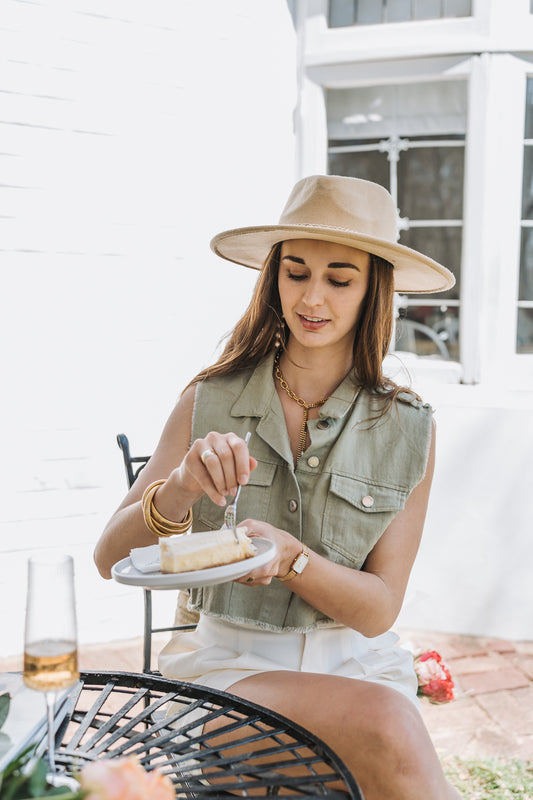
pixel 50 638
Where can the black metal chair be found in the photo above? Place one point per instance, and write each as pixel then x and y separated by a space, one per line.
pixel 134 464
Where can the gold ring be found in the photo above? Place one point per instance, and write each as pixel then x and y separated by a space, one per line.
pixel 206 455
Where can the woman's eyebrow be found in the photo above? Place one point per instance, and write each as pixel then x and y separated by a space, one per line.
pixel 333 265
pixel 343 265
pixel 294 258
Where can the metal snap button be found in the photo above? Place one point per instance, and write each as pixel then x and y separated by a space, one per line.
pixel 323 424
pixel 293 505
pixel 368 501
pixel 313 461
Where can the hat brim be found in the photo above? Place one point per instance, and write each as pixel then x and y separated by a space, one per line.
pixel 414 272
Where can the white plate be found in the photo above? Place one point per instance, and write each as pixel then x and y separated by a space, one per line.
pixel 124 571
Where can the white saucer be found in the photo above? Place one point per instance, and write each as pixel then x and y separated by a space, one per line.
pixel 124 571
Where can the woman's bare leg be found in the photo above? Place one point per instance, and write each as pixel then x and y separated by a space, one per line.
pixel 377 732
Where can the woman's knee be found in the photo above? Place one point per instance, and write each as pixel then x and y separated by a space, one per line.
pixel 391 732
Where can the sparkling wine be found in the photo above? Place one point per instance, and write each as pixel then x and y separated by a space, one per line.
pixel 50 664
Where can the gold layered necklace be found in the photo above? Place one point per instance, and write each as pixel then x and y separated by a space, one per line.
pixel 301 402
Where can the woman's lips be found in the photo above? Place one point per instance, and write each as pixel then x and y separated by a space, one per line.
pixel 312 323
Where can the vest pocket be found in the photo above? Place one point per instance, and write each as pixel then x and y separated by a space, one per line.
pixel 253 501
pixel 357 512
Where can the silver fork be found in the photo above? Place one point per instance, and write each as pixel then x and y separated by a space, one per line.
pixel 230 514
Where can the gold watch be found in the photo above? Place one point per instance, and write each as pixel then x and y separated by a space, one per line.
pixel 297 566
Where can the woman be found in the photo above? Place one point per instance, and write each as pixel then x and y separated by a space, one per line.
pixel 337 475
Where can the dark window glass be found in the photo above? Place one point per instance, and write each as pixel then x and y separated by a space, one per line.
pixel 524 330
pixel 457 8
pixel 429 331
pixel 369 12
pixel 525 290
pixel 371 166
pixel 442 245
pixel 350 142
pixel 528 131
pixel 373 12
pixel 427 9
pixel 398 10
pixel 527 186
pixel 430 183
pixel 524 338
pixel 341 13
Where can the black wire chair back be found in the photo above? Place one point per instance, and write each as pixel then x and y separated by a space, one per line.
pixel 134 465
pixel 131 461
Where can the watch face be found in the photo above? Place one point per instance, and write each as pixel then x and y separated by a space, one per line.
pixel 300 563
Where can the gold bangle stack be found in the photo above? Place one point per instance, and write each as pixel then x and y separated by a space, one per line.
pixel 155 521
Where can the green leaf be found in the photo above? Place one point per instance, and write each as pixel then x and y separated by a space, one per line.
pixel 18 762
pixel 5 743
pixel 14 777
pixel 5 700
pixel 37 778
pixel 24 778
pixel 61 791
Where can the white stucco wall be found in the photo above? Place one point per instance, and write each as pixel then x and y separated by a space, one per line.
pixel 130 133
pixel 472 573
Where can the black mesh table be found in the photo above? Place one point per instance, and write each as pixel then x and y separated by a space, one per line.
pixel 170 725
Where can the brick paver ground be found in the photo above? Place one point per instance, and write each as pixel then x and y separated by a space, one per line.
pixel 493 713
pixel 491 717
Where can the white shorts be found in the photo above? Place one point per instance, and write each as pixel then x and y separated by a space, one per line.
pixel 220 653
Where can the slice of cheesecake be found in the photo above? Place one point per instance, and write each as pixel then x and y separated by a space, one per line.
pixel 194 551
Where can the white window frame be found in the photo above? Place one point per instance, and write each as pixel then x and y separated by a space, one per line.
pixel 527 144
pixel 481 50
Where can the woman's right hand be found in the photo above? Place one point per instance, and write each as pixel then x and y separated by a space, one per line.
pixel 215 466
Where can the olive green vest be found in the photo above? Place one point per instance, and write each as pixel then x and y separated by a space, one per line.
pixel 348 485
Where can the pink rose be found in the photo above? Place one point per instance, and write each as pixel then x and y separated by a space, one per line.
pixel 434 679
pixel 124 779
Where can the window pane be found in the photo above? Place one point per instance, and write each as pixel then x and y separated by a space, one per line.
pixel 528 132
pixel 441 244
pixel 371 166
pixel 435 108
pixel 458 8
pixel 398 10
pixel 429 121
pixel 527 186
pixel 524 333
pixel 341 13
pixel 524 339
pixel 374 12
pixel 369 12
pixel 426 9
pixel 429 331
pixel 525 291
pixel 430 182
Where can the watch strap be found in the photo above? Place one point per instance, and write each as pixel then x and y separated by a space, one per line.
pixel 292 572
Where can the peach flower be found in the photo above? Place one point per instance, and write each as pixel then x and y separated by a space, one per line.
pixel 124 779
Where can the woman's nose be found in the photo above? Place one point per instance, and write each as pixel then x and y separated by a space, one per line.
pixel 314 295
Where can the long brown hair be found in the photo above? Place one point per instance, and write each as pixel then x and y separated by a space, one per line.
pixel 254 334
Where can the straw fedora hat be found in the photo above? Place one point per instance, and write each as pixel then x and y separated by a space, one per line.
pixel 347 211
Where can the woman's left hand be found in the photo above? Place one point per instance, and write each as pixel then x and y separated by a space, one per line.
pixel 287 548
